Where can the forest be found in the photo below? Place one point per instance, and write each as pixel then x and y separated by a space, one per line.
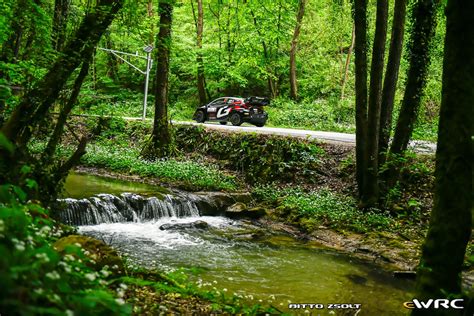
pixel 113 201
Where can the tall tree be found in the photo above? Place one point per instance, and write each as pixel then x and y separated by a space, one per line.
pixel 201 82
pixel 424 25
pixel 368 114
pixel 35 105
pixel 360 50
pixel 371 185
pixel 293 49
pixel 161 136
pixel 439 272
pixel 61 12
pixel 391 77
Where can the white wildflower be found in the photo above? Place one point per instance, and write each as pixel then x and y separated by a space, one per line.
pixel 54 275
pixel 69 312
pixel 20 247
pixel 90 276
pixel 38 291
pixel 120 301
pixel 43 257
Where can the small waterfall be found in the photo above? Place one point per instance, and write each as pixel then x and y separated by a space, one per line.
pixel 128 207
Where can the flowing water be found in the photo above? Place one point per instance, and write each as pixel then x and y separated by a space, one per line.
pixel 275 269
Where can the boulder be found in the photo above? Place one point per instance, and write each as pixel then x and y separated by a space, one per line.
pixel 183 226
pixel 96 250
pixel 240 210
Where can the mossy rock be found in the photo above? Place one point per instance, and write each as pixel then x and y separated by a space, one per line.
pixel 96 250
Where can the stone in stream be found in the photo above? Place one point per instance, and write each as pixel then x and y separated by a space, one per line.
pixel 181 226
pixel 240 210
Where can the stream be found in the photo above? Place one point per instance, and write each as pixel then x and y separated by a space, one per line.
pixel 228 254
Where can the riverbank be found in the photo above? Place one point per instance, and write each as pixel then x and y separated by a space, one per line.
pixel 301 183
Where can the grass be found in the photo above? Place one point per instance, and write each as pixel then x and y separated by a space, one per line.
pixel 322 207
pixel 122 157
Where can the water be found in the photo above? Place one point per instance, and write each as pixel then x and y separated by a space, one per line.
pixel 79 185
pixel 275 269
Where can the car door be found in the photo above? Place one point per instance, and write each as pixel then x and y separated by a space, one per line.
pixel 213 107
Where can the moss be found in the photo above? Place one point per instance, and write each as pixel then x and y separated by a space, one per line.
pixel 99 252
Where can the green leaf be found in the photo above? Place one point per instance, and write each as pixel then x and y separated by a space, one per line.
pixel 6 144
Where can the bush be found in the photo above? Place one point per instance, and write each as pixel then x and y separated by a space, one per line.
pixel 35 278
pixel 261 158
pixel 322 207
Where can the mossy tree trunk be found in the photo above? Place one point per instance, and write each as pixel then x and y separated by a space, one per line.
pixel 371 185
pixel 34 107
pixel 424 25
pixel 391 77
pixel 368 108
pixel 360 50
pixel 61 12
pixel 160 144
pixel 439 272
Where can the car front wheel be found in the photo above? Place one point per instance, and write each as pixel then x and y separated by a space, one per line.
pixel 236 119
pixel 199 117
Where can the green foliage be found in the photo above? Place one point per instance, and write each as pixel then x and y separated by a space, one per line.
pixel 322 207
pixel 179 284
pixel 261 158
pixel 329 114
pixel 35 278
pixel 119 156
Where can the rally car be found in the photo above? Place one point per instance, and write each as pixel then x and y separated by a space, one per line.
pixel 234 110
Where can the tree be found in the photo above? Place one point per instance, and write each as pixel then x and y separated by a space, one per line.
pixel 368 114
pixel 34 107
pixel 294 45
pixel 370 193
pixel 391 77
pixel 61 12
pixel 161 137
pixel 439 272
pixel 201 82
pixel 360 50
pixel 424 25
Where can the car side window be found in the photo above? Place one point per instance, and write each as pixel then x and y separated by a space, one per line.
pixel 217 103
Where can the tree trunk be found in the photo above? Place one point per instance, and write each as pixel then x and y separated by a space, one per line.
pixel 360 50
pixel 36 103
pixel 391 77
pixel 439 272
pixel 294 43
pixel 424 25
pixel 64 113
pixel 201 82
pixel 34 106
pixel 161 137
pixel 61 12
pixel 348 61
pixel 371 185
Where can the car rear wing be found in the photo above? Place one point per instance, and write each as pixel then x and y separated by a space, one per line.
pixel 257 101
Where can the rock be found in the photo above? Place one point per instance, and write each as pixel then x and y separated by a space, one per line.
pixel 405 274
pixel 212 203
pixel 98 251
pixel 239 210
pixel 244 197
pixel 182 226
pixel 256 235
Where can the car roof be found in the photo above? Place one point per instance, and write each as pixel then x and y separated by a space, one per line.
pixel 222 98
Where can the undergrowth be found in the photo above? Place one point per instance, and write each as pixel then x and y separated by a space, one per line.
pixel 323 207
